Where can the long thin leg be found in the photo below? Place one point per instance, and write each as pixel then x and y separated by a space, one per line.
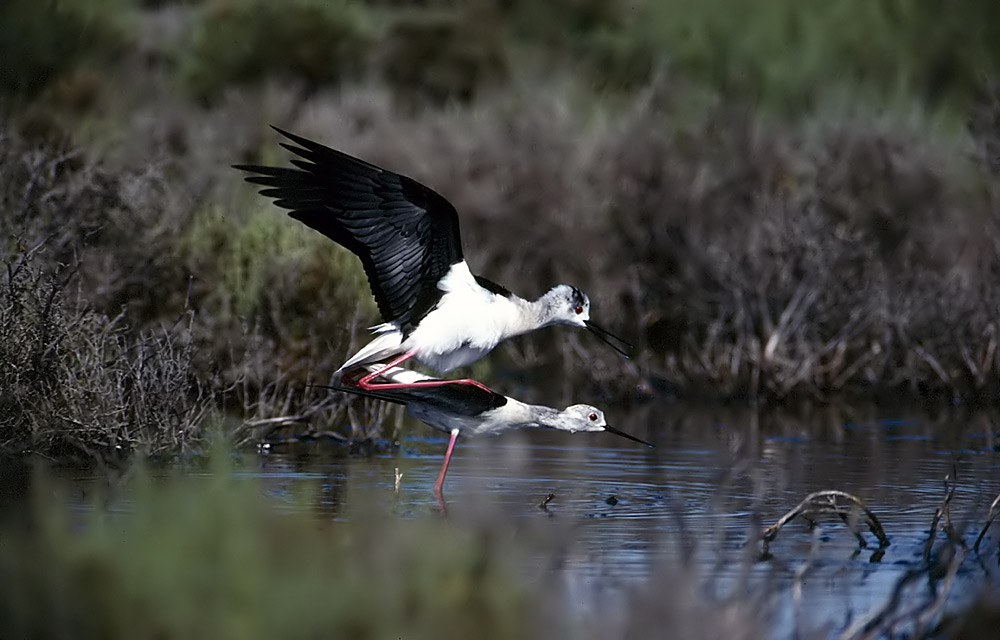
pixel 427 383
pixel 447 459
pixel 365 382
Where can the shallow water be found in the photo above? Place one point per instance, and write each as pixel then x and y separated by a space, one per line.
pixel 626 516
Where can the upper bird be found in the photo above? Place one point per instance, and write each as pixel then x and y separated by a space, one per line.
pixel 407 237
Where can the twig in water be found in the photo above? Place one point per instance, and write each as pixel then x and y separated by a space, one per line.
pixel 990 517
pixel 943 510
pixel 826 502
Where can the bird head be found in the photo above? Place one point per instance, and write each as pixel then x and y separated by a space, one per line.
pixel 567 305
pixel 583 417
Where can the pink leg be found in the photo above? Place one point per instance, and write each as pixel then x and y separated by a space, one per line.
pixel 365 382
pixel 447 459
pixel 428 383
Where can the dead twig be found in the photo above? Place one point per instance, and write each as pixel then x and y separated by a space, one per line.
pixel 990 517
pixel 943 511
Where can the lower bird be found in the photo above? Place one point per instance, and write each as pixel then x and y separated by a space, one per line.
pixel 457 408
pixel 407 237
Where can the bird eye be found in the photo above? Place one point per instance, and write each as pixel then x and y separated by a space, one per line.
pixel 593 417
pixel 578 309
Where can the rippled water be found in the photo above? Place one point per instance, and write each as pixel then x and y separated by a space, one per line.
pixel 624 513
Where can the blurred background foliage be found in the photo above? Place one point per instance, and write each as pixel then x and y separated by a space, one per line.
pixel 190 555
pixel 784 55
pixel 792 55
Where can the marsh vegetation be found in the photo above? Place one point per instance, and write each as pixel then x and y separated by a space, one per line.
pixel 764 226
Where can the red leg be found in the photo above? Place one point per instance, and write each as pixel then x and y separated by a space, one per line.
pixel 365 382
pixel 427 383
pixel 447 459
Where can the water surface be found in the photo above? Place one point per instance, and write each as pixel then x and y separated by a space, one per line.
pixel 623 517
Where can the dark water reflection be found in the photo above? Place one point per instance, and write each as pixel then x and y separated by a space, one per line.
pixel 622 513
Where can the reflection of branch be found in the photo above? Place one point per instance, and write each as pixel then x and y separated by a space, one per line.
pixel 883 622
pixel 990 517
pixel 867 628
pixel 800 576
pixel 826 503
pixel 934 608
pixel 917 615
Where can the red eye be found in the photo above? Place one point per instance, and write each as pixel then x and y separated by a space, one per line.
pixel 579 310
pixel 592 417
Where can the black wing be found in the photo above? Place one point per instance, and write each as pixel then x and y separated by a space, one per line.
pixel 406 235
pixel 457 398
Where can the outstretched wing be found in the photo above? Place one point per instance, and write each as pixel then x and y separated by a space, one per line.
pixel 406 235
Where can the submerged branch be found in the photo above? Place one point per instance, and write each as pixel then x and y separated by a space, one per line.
pixel 990 517
pixel 828 503
pixel 943 511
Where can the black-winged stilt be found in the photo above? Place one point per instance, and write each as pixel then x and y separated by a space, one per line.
pixel 455 408
pixel 407 237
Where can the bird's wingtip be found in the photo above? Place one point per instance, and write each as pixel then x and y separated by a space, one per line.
pixel 299 140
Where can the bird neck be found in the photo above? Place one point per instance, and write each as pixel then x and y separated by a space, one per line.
pixel 543 416
pixel 536 313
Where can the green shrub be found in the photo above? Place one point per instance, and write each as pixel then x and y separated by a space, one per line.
pixel 278 307
pixel 276 269
pixel 241 41
pixel 790 53
pixel 605 41
pixel 43 40
pixel 561 21
pixel 444 56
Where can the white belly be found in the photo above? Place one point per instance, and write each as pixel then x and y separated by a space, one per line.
pixel 466 325
pixel 445 362
pixel 446 340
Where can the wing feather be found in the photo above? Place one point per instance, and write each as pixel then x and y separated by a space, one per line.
pixel 406 235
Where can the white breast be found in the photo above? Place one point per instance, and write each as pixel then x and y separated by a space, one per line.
pixel 466 324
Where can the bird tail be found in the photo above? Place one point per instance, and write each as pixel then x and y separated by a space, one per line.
pixel 368 393
pixel 384 346
pixel 395 374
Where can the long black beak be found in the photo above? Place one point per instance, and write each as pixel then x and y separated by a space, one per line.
pixel 607 337
pixel 626 435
